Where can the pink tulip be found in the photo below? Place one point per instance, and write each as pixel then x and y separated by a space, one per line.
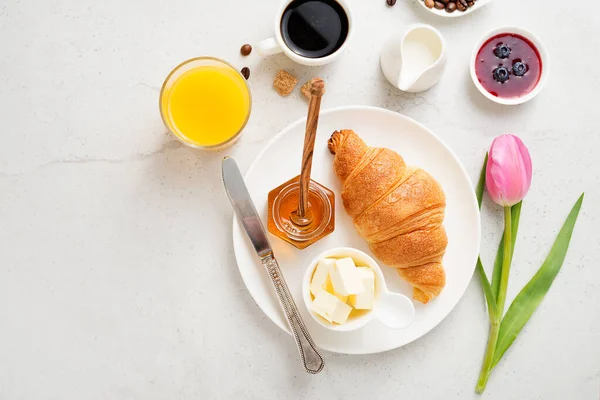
pixel 508 172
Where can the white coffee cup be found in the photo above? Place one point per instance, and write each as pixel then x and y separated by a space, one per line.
pixel 276 44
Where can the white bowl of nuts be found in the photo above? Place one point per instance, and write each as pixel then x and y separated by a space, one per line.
pixel 452 8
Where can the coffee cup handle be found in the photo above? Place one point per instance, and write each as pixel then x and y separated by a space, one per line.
pixel 269 47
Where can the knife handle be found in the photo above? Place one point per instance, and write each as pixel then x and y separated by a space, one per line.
pixel 312 360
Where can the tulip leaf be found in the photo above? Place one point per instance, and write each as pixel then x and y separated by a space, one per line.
pixel 481 183
pixel 515 213
pixel 487 290
pixel 530 297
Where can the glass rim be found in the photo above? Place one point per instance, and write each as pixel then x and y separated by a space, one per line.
pixel 165 119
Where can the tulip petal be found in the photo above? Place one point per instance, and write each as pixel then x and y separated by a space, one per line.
pixel 526 159
pixel 508 173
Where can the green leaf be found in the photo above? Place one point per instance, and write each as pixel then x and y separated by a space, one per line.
pixel 481 183
pixel 515 213
pixel 487 290
pixel 533 293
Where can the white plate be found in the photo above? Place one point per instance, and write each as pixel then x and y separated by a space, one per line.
pixel 280 161
pixel 457 13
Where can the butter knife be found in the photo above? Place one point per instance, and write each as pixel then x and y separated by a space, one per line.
pixel 312 361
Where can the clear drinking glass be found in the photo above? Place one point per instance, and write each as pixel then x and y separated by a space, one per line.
pixel 205 102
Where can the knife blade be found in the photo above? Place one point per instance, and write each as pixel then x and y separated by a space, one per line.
pixel 244 207
pixel 245 210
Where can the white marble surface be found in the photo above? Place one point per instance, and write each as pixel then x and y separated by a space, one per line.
pixel 117 279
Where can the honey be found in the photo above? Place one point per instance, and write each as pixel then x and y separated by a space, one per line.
pixel 283 213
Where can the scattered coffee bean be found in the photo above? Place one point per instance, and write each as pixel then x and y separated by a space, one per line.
pixel 390 2
pixel 451 7
pixel 246 50
pixel 460 6
pixel 430 3
pixel 246 72
pixel 439 5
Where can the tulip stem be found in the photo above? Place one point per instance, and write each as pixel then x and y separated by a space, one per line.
pixel 506 260
pixel 496 317
pixel 488 359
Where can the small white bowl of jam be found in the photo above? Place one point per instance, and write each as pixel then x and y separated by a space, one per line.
pixel 344 289
pixel 509 65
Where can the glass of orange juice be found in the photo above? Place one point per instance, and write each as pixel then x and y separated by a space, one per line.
pixel 205 102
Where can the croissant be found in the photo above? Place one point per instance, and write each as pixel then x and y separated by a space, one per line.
pixel 399 210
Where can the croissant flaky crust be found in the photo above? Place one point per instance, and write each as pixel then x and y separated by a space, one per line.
pixel 399 210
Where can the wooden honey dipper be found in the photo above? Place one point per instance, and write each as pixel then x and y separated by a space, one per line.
pixel 303 216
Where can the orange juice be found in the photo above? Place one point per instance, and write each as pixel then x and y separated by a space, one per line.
pixel 206 105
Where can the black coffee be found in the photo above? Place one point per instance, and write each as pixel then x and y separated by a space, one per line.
pixel 314 28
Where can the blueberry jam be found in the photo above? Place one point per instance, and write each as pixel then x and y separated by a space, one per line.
pixel 508 65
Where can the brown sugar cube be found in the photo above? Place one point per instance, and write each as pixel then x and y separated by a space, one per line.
pixel 305 89
pixel 284 83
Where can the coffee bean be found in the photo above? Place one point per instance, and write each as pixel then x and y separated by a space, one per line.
pixel 438 5
pixel 246 72
pixel 246 50
pixel 429 3
pixel 390 2
pixel 460 6
pixel 470 3
pixel 451 7
pixel 444 1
